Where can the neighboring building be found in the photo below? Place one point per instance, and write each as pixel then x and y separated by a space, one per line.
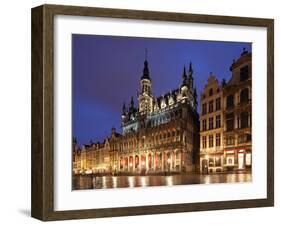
pixel 211 123
pixel 238 114
pixel 160 135
pixel 97 157
pixel 76 157
pixel 225 133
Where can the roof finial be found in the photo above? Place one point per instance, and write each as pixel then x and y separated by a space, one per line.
pixel 124 108
pixel 145 54
pixel 190 71
pixel 184 77
pixel 244 51
pixel 132 101
pixel 190 67
pixel 184 72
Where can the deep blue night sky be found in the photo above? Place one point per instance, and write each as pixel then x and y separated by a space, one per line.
pixel 107 70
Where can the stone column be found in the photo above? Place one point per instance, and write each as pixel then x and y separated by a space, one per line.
pixel 162 160
pixel 180 159
pixel 119 164
pixel 154 161
pixel 133 163
pixel 146 161
pixel 171 161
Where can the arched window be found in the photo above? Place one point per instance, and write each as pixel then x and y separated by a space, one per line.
pixel 244 119
pixel 211 92
pixel 244 95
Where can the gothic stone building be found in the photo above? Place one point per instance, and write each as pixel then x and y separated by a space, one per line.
pixel 225 134
pixel 160 135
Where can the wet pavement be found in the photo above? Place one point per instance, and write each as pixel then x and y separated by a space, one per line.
pixel 103 182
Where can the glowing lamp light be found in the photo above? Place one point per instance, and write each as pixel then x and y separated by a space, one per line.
pixel 131 164
pixel 142 163
pixel 169 160
pixel 143 182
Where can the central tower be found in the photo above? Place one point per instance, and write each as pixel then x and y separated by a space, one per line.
pixel 145 96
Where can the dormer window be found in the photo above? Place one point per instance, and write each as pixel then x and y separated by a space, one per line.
pixel 171 100
pixel 163 104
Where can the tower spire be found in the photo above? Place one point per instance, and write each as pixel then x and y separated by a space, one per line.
pixel 145 74
pixel 145 54
pixel 124 108
pixel 132 102
pixel 190 70
pixel 190 77
pixel 184 72
pixel 184 77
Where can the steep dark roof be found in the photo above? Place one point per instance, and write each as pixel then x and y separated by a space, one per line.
pixel 145 74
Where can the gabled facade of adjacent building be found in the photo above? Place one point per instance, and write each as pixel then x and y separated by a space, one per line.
pixel 233 151
pixel 238 115
pixel 211 127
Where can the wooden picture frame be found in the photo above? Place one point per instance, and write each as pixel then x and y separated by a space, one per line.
pixel 43 112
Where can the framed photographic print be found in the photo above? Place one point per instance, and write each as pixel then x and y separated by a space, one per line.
pixel 141 112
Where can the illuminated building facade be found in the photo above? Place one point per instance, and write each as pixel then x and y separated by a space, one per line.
pixel 211 123
pixel 238 115
pixel 233 150
pixel 159 135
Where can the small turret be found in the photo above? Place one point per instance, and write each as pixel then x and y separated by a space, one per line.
pixel 132 105
pixel 113 131
pixel 184 77
pixel 124 110
pixel 190 76
pixel 124 113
